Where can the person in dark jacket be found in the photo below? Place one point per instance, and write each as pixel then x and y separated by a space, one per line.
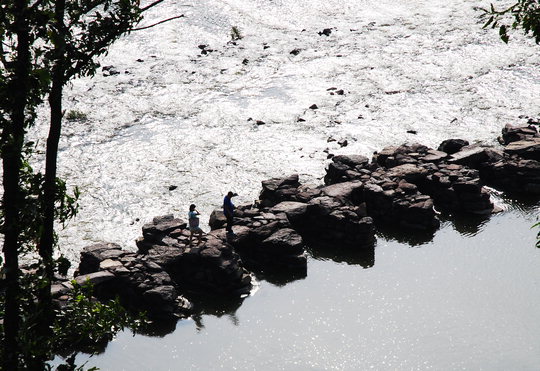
pixel 228 210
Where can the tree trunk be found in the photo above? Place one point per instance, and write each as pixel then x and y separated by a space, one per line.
pixel 13 139
pixel 46 242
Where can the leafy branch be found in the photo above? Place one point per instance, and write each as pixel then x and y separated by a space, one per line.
pixel 524 14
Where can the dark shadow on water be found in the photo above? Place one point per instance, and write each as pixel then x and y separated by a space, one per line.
pixel 524 204
pixel 203 305
pixel 468 225
pixel 276 274
pixel 159 328
pixel 413 238
pixel 280 278
pixel 363 255
pixel 216 306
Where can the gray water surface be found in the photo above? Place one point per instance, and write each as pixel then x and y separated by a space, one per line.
pixel 467 300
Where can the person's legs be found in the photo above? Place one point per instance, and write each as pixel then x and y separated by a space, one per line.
pixel 200 236
pixel 229 223
pixel 190 236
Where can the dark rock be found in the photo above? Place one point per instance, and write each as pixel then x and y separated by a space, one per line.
pixel 323 205
pixel 470 156
pixel 352 160
pixel 511 133
pixel 410 172
pixel 276 190
pixel 285 241
pixel 528 149
pixel 217 219
pixel 347 191
pixel 93 255
pixel 162 297
pixel 313 106
pixel 452 146
pixel 435 156
pixel 60 289
pixel 325 32
pixel 109 71
pixel 165 256
pixel 95 278
pixel 210 253
pixel 295 52
pixel 293 210
pixel 160 227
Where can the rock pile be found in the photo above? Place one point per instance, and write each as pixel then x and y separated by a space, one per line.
pixel 263 238
pixel 294 212
pixel 511 133
pixel 140 283
pixel 213 266
pixel 165 265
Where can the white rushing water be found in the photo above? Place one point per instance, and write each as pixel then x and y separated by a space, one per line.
pixel 174 116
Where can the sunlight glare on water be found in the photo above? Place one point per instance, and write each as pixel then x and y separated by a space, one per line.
pixel 176 116
pixel 173 116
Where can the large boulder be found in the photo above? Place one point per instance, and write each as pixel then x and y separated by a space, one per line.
pixel 346 192
pixel 353 161
pixel 528 149
pixel 285 241
pixel 160 228
pixel 276 190
pixel 452 146
pixel 471 156
pixel 410 172
pixel 511 133
pixel 217 219
pixel 93 255
pixel 294 210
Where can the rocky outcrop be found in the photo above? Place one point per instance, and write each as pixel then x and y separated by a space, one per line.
pixel 264 239
pixel 327 214
pixel 165 266
pixel 511 133
pixel 212 266
pixel 140 283
pixel 276 190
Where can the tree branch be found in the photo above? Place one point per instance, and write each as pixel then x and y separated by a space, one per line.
pixel 151 5
pixel 155 24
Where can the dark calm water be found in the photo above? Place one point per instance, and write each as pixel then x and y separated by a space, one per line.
pixel 467 300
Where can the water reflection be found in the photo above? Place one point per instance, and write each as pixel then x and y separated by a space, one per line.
pixel 216 306
pixel 411 238
pixel 363 256
pixel 160 328
pixel 281 278
pixel 468 225
pixel 524 204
